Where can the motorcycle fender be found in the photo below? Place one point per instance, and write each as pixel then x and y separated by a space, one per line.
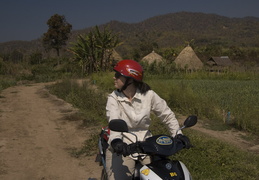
pixel 186 172
pixel 147 174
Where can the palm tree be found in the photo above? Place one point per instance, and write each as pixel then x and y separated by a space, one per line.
pixel 93 51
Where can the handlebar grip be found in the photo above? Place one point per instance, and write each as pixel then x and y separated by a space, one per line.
pixel 134 148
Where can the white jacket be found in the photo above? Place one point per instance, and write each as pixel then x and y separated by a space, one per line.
pixel 137 114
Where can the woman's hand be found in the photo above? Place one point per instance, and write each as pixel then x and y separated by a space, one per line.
pixel 185 140
pixel 119 147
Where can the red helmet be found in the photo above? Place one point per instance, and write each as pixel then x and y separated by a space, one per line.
pixel 130 68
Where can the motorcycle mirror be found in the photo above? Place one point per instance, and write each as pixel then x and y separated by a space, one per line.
pixel 118 125
pixel 190 121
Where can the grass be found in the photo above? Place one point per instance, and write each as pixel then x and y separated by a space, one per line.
pixel 89 148
pixel 210 158
pixel 231 102
pixel 6 82
pixel 213 159
pixel 234 102
pixel 90 102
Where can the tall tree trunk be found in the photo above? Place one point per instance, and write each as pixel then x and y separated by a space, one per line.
pixel 57 49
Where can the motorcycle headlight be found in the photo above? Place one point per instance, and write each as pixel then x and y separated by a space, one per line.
pixel 168 166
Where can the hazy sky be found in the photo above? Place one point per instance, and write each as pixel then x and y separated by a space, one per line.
pixel 26 19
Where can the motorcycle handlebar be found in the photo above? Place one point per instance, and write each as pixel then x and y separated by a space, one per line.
pixel 134 148
pixel 152 148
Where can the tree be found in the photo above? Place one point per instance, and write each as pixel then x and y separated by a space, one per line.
pixel 35 58
pixel 145 44
pixel 16 56
pixel 169 54
pixel 57 34
pixel 93 50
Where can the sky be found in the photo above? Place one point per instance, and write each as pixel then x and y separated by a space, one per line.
pixel 27 19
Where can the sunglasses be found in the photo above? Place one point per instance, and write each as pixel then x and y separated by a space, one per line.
pixel 117 75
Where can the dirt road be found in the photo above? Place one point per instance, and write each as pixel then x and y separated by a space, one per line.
pixel 35 139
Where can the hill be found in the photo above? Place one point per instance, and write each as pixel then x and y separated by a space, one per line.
pixel 172 30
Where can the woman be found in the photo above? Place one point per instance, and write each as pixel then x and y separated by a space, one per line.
pixel 133 101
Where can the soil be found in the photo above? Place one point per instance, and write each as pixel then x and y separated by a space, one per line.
pixel 36 139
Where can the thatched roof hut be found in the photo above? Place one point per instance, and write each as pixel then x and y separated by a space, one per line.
pixel 222 61
pixel 152 57
pixel 115 56
pixel 187 59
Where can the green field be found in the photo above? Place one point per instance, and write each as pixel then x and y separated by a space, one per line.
pixel 235 102
pixel 232 102
pixel 210 158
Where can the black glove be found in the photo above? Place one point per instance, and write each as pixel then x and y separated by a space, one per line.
pixel 119 147
pixel 134 148
pixel 185 140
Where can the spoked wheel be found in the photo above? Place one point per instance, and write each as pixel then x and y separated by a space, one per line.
pixel 104 175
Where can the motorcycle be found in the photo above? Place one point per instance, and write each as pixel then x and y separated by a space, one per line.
pixel 158 147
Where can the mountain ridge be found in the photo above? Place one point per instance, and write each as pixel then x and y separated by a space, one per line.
pixel 172 30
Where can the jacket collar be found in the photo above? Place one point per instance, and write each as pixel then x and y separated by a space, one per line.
pixel 122 97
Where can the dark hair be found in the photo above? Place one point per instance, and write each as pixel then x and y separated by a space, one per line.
pixel 143 87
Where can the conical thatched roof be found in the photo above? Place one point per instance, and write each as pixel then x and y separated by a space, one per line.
pixel 188 59
pixel 152 57
pixel 115 56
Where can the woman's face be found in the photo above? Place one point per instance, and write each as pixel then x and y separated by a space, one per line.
pixel 119 80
